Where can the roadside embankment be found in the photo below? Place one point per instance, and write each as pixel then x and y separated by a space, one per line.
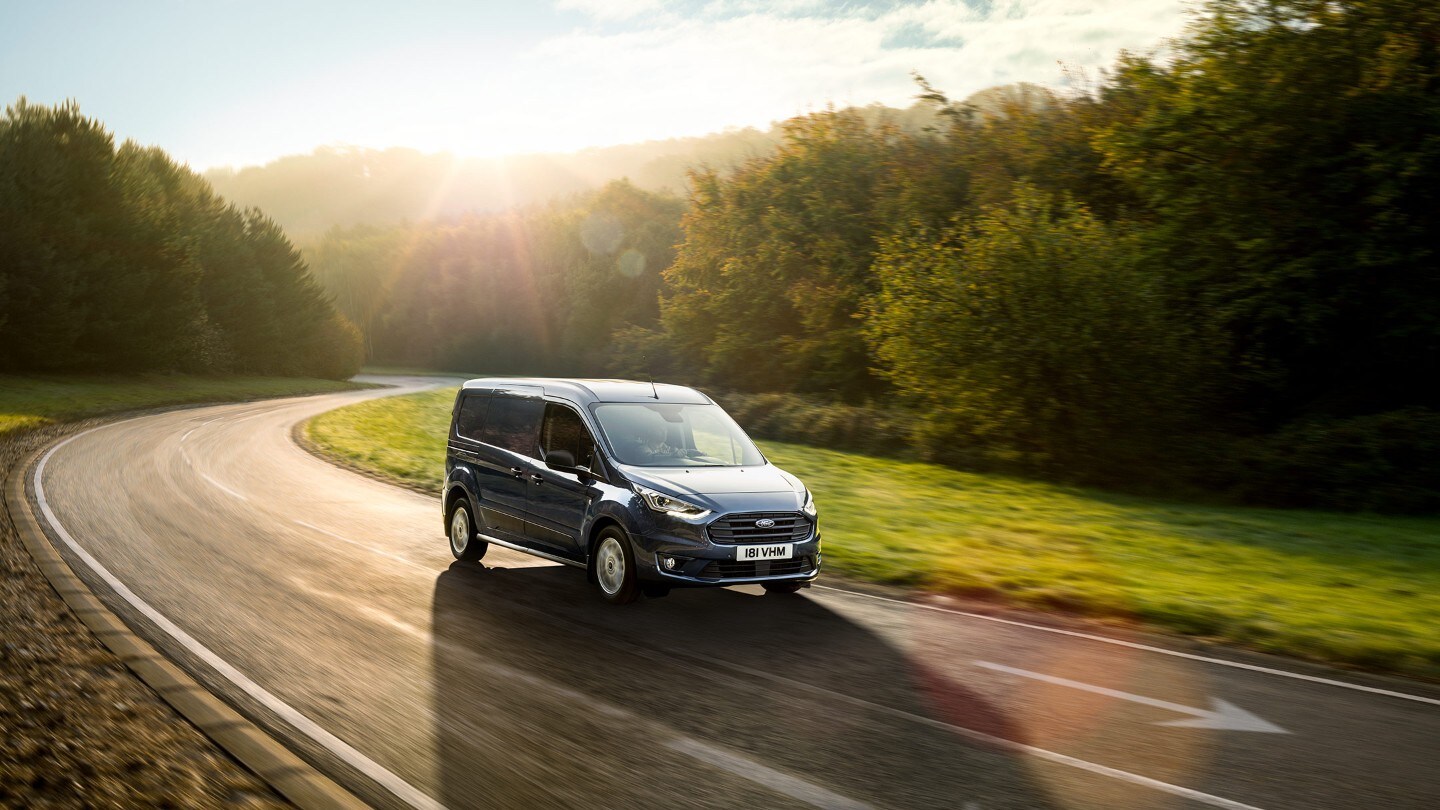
pixel 77 729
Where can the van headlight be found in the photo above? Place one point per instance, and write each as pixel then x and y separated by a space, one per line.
pixel 670 505
pixel 808 507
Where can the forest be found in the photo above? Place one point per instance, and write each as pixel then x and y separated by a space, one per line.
pixel 118 260
pixel 1211 272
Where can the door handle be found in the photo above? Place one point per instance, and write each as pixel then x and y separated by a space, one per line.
pixel 517 472
pixel 537 478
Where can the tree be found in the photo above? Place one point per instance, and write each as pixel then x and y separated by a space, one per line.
pixel 121 260
pixel 1034 338
pixel 59 204
pixel 775 264
pixel 1289 155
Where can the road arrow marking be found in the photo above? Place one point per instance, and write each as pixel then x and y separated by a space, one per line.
pixel 1221 715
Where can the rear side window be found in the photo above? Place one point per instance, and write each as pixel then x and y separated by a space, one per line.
pixel 514 424
pixel 470 421
pixel 564 430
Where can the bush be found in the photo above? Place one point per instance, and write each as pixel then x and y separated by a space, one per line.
pixel 1386 462
pixel 1037 338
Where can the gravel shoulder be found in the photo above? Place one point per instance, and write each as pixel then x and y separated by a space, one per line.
pixel 77 729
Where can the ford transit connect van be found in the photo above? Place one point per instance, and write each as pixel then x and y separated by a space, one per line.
pixel 646 486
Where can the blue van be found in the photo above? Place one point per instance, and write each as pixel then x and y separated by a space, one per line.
pixel 646 486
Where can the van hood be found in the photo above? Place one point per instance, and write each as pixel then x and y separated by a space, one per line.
pixel 703 481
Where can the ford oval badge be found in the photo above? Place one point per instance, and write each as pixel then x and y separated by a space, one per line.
pixel 764 523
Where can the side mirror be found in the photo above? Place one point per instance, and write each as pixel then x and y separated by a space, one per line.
pixel 560 458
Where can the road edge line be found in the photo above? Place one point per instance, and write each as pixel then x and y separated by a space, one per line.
pixel 285 772
pixel 1135 645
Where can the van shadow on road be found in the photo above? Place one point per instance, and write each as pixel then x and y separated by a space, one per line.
pixel 545 695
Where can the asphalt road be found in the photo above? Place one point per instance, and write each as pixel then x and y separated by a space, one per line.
pixel 326 606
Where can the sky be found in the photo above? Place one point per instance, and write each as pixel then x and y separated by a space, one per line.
pixel 241 82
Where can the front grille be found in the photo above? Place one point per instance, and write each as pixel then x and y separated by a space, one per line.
pixel 789 527
pixel 747 569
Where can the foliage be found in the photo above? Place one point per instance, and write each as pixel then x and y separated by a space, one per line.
pixel 120 260
pixel 1035 338
pixel 776 260
pixel 1353 589
pixel 1386 462
pixel 1289 158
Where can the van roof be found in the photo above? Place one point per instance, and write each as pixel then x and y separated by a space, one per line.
pixel 585 391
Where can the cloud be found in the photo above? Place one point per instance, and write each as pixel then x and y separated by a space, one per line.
pixel 697 67
pixel 605 72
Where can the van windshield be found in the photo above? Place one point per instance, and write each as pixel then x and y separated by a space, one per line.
pixel 659 434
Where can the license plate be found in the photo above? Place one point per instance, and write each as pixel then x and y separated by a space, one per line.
pixel 781 551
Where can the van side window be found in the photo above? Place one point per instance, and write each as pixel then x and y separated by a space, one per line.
pixel 564 430
pixel 514 424
pixel 471 419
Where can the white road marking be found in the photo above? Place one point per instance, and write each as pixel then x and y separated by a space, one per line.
pixel 378 773
pixel 1225 716
pixel 217 485
pixel 369 548
pixel 831 696
pixel 1148 648
pixel 784 783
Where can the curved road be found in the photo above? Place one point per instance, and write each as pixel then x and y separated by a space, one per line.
pixel 326 606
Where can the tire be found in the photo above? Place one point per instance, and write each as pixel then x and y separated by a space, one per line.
pixel 782 587
pixel 463 542
pixel 612 566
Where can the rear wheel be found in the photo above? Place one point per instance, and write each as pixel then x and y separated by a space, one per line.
pixel 782 587
pixel 613 568
pixel 464 544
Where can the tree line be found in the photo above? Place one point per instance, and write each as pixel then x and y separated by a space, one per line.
pixel 120 260
pixel 1218 268
pixel 1215 269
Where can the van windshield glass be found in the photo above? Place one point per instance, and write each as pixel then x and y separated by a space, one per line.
pixel 662 434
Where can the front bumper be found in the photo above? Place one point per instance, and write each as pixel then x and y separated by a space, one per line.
pixel 807 568
pixel 701 561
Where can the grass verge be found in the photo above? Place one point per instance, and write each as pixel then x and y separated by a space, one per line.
pixel 1341 588
pixel 28 402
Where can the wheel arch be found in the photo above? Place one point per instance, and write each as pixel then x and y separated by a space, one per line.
pixel 457 492
pixel 599 525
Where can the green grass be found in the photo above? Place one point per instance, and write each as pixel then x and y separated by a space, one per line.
pixel 401 438
pixel 1342 588
pixel 29 401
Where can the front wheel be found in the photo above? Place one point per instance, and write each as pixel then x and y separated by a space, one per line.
pixel 464 544
pixel 613 568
